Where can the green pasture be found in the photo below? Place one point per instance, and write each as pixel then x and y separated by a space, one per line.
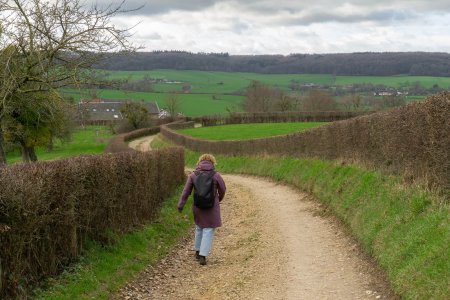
pixel 190 104
pixel 229 82
pixel 220 82
pixel 88 140
pixel 395 81
pixel 415 98
pixel 248 131
pixel 214 92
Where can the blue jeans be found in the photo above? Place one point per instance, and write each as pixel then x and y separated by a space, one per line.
pixel 203 239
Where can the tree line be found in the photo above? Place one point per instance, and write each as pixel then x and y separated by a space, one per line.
pixel 259 97
pixel 366 63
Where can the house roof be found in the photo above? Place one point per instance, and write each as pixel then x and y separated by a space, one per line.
pixel 107 109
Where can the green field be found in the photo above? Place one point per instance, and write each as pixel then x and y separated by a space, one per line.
pixel 395 81
pixel 228 82
pixel 191 105
pixel 248 131
pixel 90 140
pixel 219 82
pixel 215 92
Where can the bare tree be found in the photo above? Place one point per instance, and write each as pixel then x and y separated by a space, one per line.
pixel 263 98
pixel 172 104
pixel 319 101
pixel 46 45
pixel 285 103
pixel 258 98
pixel 352 102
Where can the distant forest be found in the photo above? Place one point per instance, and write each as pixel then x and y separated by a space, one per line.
pixel 367 63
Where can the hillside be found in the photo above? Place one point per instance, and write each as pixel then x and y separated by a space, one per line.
pixel 367 63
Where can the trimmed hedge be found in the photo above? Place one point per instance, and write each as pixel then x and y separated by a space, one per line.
pixel 413 139
pixel 277 117
pixel 120 142
pixel 49 210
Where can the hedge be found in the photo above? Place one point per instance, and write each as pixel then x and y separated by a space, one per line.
pixel 277 117
pixel 413 140
pixel 120 142
pixel 49 210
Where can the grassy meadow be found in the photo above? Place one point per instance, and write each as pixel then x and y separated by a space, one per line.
pixel 248 131
pixel 229 82
pixel 395 81
pixel 191 105
pixel 220 82
pixel 216 92
pixel 88 140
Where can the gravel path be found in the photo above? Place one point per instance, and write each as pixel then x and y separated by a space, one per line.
pixel 142 144
pixel 275 243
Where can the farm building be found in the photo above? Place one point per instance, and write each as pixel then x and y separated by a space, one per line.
pixel 108 110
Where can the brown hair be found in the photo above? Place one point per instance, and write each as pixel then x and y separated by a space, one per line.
pixel 207 157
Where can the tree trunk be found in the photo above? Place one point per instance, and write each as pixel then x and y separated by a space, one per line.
pixel 25 155
pixel 28 153
pixel 32 154
pixel 2 151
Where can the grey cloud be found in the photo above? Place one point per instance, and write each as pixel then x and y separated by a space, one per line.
pixel 239 27
pixel 270 7
pixel 154 7
pixel 233 25
pixel 307 34
pixel 268 26
pixel 153 36
pixel 375 16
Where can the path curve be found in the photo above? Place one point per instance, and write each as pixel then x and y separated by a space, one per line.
pixel 275 243
pixel 142 144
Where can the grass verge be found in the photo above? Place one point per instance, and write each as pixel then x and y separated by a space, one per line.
pixel 405 228
pixel 88 140
pixel 248 131
pixel 102 271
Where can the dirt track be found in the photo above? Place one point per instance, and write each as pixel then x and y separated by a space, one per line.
pixel 275 244
pixel 142 144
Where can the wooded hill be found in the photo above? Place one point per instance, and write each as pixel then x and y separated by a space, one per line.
pixel 367 63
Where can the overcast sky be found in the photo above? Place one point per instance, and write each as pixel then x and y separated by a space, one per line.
pixel 283 27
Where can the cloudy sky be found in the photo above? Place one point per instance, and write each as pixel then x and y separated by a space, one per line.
pixel 283 27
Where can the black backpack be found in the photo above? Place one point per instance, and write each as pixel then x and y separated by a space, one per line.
pixel 204 195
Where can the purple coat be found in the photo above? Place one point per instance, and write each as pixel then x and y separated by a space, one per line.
pixel 205 218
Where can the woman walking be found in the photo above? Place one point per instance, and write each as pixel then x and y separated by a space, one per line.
pixel 209 190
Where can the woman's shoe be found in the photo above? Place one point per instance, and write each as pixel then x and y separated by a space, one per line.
pixel 197 255
pixel 202 260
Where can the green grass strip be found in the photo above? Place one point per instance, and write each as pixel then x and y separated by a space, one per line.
pixel 405 228
pixel 87 140
pixel 248 131
pixel 102 271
